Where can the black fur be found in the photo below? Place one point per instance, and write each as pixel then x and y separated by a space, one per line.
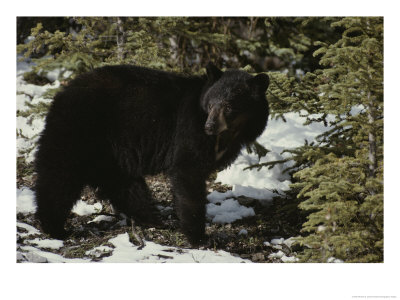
pixel 110 127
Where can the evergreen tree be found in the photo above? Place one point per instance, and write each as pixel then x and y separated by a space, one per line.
pixel 344 187
pixel 339 178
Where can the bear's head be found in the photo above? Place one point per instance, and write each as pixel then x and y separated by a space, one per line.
pixel 231 98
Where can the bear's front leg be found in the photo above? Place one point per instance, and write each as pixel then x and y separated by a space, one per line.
pixel 190 197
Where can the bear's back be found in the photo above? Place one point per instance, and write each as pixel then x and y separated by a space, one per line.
pixel 120 76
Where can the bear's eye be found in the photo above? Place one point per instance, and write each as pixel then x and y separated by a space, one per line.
pixel 209 106
pixel 228 109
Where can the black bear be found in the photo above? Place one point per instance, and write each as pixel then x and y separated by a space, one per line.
pixel 110 127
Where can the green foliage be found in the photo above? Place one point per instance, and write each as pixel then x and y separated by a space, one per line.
pixel 343 182
pixel 339 177
pixel 23 169
pixel 34 78
pixel 38 110
pixel 258 149
pixel 347 221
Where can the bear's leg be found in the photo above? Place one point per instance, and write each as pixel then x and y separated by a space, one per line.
pixel 55 197
pixel 132 197
pixel 190 197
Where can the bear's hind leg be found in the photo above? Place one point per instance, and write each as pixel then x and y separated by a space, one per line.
pixel 133 198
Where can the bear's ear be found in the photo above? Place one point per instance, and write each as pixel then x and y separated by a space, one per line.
pixel 260 81
pixel 213 73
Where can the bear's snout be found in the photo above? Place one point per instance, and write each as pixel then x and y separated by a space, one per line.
pixel 216 122
pixel 210 128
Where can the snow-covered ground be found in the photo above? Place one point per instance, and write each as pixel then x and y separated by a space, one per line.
pixel 34 248
pixel 222 207
pixel 277 136
pixel 29 128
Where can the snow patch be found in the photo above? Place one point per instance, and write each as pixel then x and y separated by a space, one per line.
pixel 289 242
pixel 53 74
pixel 31 230
pixel 101 218
pixel 25 201
pixel 277 241
pixel 34 90
pixel 47 243
pixel 81 208
pixel 99 251
pixel 228 211
pixel 334 260
pixel 266 183
pixel 125 251
pixel 24 65
pixel 289 259
pixel 30 128
pixel 278 254
pixel 243 232
pixel 21 102
pixel 217 197
pixel 31 257
pixel 45 256
pixel 223 210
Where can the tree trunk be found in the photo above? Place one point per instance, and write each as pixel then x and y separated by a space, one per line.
pixel 120 39
pixel 371 138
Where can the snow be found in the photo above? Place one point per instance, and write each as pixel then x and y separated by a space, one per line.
pixel 261 182
pixel 46 256
pixel 289 259
pixel 252 192
pixel 282 256
pixel 98 251
pixel 217 197
pixel 25 201
pixel 35 250
pixel 222 209
pixel 101 218
pixel 34 90
pixel 125 251
pixel 67 74
pixel 277 241
pixel 243 232
pixel 279 244
pixel 31 257
pixel 31 230
pixel 53 74
pixel 289 242
pixel 56 74
pixel 23 66
pixel 278 254
pixel 81 208
pixel 334 260
pixel 228 211
pixel 357 109
pixel 21 102
pixel 47 243
pixel 264 184
pixel 29 128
